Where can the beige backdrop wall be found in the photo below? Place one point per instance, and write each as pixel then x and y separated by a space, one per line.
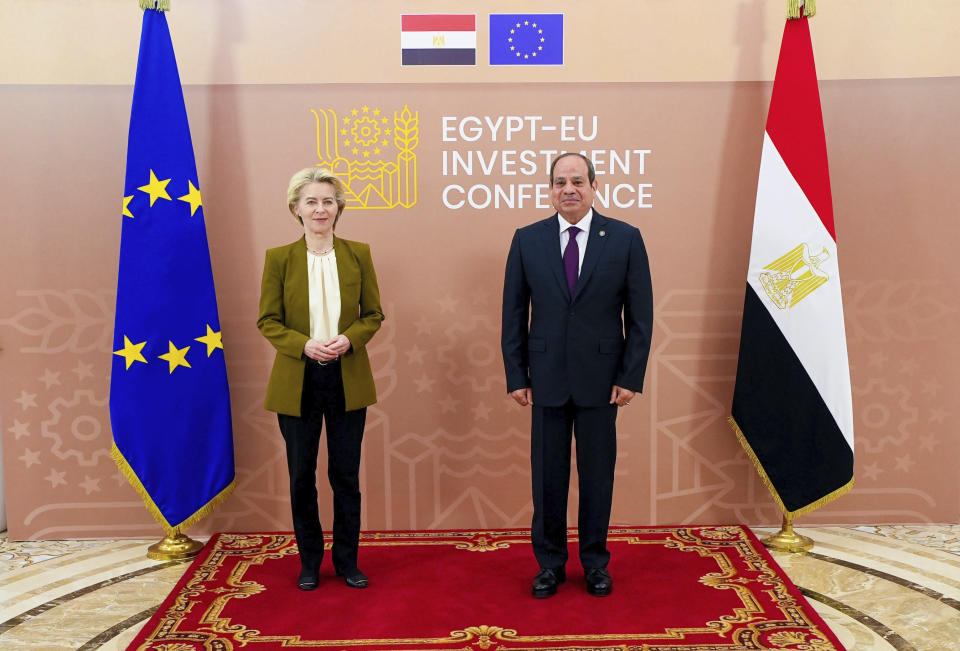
pixel 670 98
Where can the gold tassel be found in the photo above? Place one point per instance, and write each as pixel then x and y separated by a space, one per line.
pixel 154 510
pixel 809 8
pixel 826 499
pixel 159 5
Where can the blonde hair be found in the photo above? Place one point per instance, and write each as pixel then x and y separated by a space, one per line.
pixel 310 175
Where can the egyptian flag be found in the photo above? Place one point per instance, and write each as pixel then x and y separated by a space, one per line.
pixel 438 39
pixel 792 408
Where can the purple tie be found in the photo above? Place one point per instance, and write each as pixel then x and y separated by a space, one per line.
pixel 571 259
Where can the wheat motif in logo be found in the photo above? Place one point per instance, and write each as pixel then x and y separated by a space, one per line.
pixel 372 153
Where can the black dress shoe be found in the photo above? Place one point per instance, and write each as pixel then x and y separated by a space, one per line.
pixel 546 581
pixel 309 578
pixel 599 581
pixel 355 579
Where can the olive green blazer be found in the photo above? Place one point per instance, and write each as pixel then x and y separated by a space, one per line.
pixel 285 321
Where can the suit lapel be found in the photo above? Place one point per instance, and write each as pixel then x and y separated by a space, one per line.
pixel 299 285
pixel 340 250
pixel 348 273
pixel 550 238
pixel 348 269
pixel 595 246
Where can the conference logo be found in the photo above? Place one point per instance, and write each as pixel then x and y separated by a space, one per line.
pixel 373 152
pixel 794 275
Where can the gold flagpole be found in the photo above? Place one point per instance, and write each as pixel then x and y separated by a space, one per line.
pixel 159 5
pixel 788 540
pixel 175 546
pixel 798 8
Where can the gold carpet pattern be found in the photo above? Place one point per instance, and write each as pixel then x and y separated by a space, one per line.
pixel 877 587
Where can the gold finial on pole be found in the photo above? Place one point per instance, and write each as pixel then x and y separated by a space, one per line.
pixel 804 8
pixel 159 5
pixel 175 546
pixel 788 540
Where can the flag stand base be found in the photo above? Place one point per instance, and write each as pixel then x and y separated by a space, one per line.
pixel 174 548
pixel 788 540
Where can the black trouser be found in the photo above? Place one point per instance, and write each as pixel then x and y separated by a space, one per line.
pixel 322 403
pixel 596 436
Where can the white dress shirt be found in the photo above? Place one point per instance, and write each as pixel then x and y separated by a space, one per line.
pixel 324 288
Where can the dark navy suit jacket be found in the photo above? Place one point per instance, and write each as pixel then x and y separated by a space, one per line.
pixel 577 347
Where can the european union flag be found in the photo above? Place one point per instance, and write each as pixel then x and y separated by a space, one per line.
pixel 526 39
pixel 169 400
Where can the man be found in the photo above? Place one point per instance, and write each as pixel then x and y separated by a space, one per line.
pixel 577 318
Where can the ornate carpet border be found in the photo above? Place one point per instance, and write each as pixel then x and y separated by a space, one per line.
pixel 772 614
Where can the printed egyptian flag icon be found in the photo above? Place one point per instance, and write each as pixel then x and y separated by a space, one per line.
pixel 438 39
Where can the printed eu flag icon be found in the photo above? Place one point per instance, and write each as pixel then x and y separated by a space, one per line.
pixel 526 39
pixel 169 400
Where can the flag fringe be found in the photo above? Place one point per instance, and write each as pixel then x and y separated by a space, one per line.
pixel 159 5
pixel 152 508
pixel 796 8
pixel 813 506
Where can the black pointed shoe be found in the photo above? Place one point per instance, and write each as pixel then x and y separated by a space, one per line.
pixel 309 578
pixel 355 579
pixel 546 581
pixel 599 581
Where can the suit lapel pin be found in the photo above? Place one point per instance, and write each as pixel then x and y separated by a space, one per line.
pixel 602 233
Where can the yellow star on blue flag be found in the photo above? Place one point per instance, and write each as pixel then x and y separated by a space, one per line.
pixel 170 413
pixel 212 339
pixel 193 198
pixel 526 39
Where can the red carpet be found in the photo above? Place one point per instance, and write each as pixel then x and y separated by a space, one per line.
pixel 674 588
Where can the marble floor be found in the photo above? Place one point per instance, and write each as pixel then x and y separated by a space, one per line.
pixel 878 587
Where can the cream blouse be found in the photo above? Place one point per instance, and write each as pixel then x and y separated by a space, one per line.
pixel 324 288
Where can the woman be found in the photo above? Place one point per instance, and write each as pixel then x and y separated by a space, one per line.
pixel 319 306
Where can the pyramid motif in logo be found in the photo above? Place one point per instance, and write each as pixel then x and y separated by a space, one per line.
pixel 372 153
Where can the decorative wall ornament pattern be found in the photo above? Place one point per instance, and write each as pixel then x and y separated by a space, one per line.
pixel 445 447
